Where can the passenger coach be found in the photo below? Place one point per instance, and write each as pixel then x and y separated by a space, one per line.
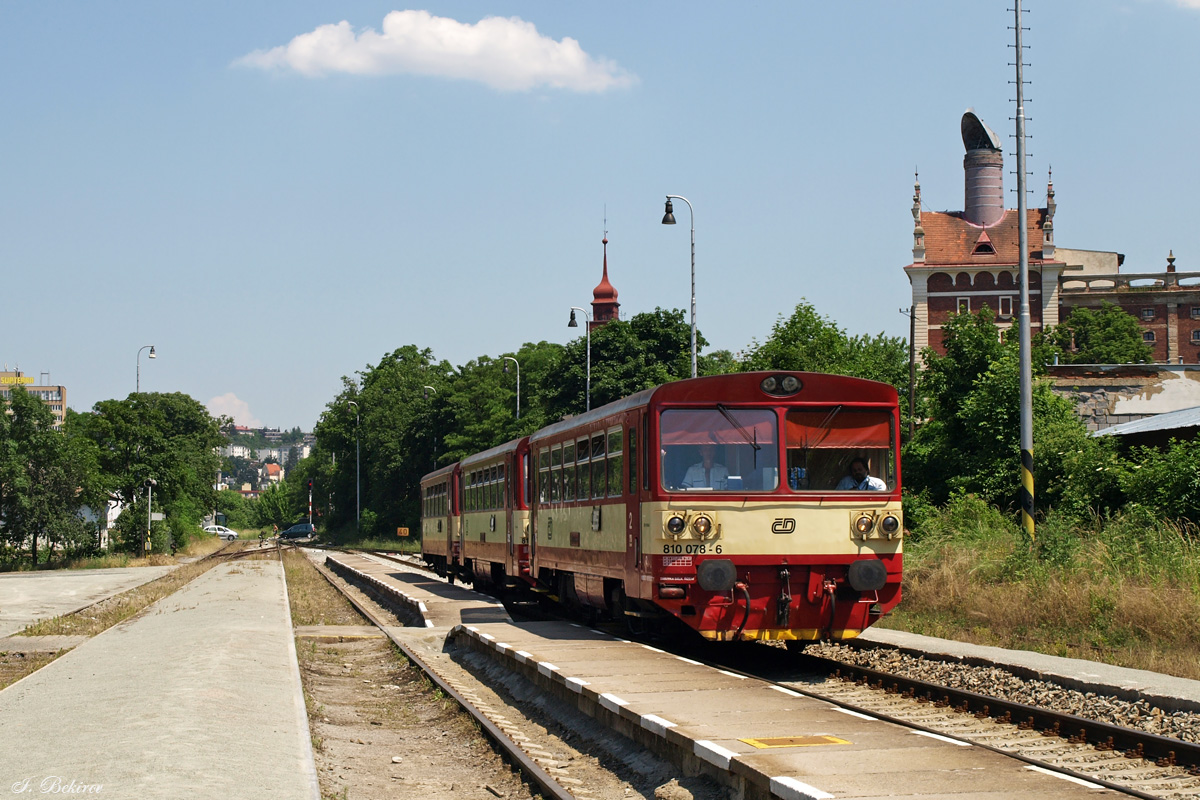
pixel 746 506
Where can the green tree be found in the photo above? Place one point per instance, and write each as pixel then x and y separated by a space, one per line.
pixel 45 477
pixel 649 349
pixel 170 438
pixel 971 440
pixel 1107 335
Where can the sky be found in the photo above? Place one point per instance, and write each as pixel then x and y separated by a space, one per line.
pixel 276 194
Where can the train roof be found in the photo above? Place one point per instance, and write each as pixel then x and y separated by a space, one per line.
pixel 595 415
pixel 499 449
pixel 743 386
pixel 439 473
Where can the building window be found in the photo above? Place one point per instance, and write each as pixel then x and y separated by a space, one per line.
pixel 1147 313
pixel 1196 337
pixel 984 249
pixel 1195 312
pixel 964 305
pixel 1148 337
pixel 1005 306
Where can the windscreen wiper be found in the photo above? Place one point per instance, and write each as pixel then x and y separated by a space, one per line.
pixel 751 438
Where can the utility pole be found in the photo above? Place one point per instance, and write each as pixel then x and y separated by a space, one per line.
pixel 1023 319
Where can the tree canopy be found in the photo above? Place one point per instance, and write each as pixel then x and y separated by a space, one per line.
pixel 1104 335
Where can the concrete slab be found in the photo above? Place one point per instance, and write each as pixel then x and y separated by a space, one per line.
pixel 27 597
pixel 198 697
pixel 338 633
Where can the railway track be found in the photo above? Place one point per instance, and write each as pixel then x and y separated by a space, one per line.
pixel 1135 762
pixel 537 762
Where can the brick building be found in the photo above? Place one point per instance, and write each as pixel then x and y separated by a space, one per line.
pixel 964 260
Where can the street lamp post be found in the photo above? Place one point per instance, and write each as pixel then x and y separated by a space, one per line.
pixel 669 219
pixel 429 389
pixel 573 324
pixel 357 473
pixel 518 363
pixel 150 484
pixel 139 365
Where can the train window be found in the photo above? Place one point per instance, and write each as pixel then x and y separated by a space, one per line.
pixel 569 453
pixel 597 445
pixel 568 483
pixel 583 478
pixel 597 477
pixel 633 461
pixel 503 486
pixel 581 450
pixel 528 478
pixel 719 449
pixel 544 476
pixel 823 446
pixel 615 462
pixel 556 485
pixel 556 456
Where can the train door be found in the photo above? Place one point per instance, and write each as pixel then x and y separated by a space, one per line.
pixel 455 549
pixel 636 463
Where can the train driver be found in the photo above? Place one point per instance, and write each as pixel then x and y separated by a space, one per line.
pixel 860 478
pixel 707 473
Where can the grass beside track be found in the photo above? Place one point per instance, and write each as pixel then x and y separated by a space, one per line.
pixel 1123 590
pixel 312 599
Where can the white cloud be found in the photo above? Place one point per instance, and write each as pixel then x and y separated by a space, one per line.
pixel 1189 3
pixel 507 54
pixel 229 405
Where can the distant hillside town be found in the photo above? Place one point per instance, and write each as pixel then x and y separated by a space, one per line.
pixel 255 458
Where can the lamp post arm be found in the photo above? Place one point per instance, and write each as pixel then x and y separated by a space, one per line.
pixel 518 366
pixel 692 216
pixel 588 386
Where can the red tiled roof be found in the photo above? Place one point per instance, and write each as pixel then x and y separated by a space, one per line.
pixel 272 469
pixel 950 239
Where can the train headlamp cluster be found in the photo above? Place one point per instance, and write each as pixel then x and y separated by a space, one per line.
pixel 781 385
pixel 875 524
pixel 700 525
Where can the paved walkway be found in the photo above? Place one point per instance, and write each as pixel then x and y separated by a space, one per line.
pixel 199 697
pixel 27 597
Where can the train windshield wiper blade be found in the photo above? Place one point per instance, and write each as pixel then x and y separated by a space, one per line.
pixel 751 438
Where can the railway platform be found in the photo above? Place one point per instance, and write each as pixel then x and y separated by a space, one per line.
pixel 197 697
pixel 27 597
pixel 767 740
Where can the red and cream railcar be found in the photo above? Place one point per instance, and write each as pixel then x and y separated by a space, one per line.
pixel 494 523
pixel 441 544
pixel 725 502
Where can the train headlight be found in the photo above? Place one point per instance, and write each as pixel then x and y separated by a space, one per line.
pixel 702 524
pixel 864 524
pixel 781 385
pixel 676 524
pixel 890 525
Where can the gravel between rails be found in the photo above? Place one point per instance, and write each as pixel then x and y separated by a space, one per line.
pixel 999 682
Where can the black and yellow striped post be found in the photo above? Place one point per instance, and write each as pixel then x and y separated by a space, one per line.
pixel 1023 319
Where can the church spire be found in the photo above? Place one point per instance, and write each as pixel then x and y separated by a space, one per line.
pixel 604 296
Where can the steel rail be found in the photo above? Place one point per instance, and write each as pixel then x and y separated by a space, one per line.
pixel 530 768
pixel 1129 741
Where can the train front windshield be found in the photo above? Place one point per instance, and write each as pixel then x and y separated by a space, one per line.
pixel 834 449
pixel 720 449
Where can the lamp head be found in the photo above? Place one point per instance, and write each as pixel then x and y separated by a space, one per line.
pixel 505 367
pixel 669 217
pixel 572 323
pixel 152 352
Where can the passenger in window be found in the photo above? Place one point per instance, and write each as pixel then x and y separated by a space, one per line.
pixel 707 473
pixel 860 479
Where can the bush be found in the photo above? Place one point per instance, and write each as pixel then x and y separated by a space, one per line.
pixel 1165 481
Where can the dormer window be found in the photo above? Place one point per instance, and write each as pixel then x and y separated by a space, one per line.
pixel 984 249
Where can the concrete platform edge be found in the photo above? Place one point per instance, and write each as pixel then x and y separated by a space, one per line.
pixel 301 709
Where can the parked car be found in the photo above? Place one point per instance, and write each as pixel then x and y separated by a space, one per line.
pixel 301 530
pixel 220 530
